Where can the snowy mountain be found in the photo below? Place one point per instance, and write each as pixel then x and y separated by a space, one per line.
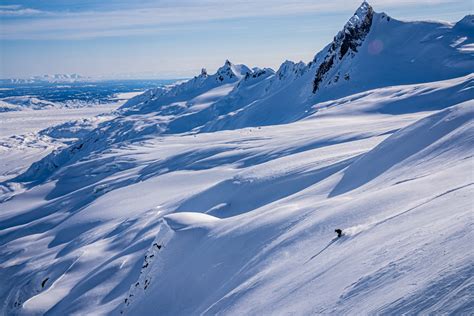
pixel 221 194
pixel 8 107
pixel 56 78
pixel 373 50
pixel 28 102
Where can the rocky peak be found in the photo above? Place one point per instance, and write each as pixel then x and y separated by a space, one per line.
pixel 346 42
pixel 226 71
pixel 289 68
pixel 355 30
pixel 258 72
pixel 231 72
pixel 361 13
pixel 227 66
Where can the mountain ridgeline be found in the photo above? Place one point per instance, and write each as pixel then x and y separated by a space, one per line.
pixel 346 41
pixel 223 194
pixel 371 51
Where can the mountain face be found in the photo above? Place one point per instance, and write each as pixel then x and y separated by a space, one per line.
pixel 221 194
pixel 372 50
pixel 346 42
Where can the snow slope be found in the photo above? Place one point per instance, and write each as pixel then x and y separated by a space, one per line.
pixel 220 195
pixel 27 136
pixel 372 50
pixel 273 196
pixel 7 107
pixel 28 102
pixel 281 257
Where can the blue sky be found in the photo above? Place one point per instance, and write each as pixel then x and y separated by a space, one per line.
pixel 175 38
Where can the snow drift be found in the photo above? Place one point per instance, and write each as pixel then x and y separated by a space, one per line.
pixel 259 263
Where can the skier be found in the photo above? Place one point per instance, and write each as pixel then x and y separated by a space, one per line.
pixel 338 232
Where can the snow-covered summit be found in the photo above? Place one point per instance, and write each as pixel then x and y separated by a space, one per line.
pixel 289 69
pixel 231 72
pixel 51 78
pixel 466 23
pixel 345 42
pixel 356 28
pixel 371 51
pixel 169 97
pixel 374 50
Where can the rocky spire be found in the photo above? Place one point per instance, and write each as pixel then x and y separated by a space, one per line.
pixel 346 41
pixel 356 29
pixel 289 68
pixel 226 71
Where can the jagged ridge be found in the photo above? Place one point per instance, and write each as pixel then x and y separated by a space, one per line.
pixel 347 40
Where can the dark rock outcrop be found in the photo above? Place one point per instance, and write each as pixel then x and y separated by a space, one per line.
pixel 346 41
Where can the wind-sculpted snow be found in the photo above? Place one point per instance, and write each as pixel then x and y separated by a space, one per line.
pixel 270 186
pixel 372 51
pixel 187 221
pixel 221 194
pixel 402 99
pixel 392 52
pixel 135 128
pixel 439 131
pixel 271 258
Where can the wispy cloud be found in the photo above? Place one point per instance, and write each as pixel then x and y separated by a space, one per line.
pixel 15 10
pixel 21 12
pixel 10 7
pixel 159 16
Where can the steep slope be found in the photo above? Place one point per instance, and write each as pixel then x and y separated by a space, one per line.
pixel 392 53
pixel 136 127
pixel 272 259
pixel 372 50
pixel 193 200
pixel 76 242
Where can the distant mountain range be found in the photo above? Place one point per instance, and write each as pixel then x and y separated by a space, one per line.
pixel 56 78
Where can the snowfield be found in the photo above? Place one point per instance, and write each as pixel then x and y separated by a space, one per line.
pixel 221 194
pixel 21 122
pixel 27 136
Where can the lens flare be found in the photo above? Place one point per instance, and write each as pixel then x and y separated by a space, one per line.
pixel 375 47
